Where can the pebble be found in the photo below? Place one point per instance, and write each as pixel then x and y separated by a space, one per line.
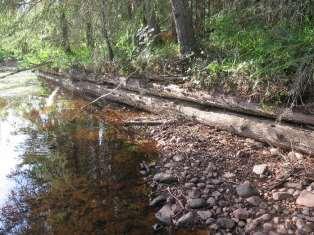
pixel 279 196
pixel 246 190
pixel 260 169
pixel 164 215
pixel 205 215
pixel 254 200
pixel 267 227
pixel 157 227
pixel 194 180
pixel 274 151
pixel 305 199
pixel 201 185
pixel 196 203
pixel 178 158
pixel 211 201
pixel 241 214
pixel 293 185
pixel 210 221
pixel 216 194
pixel 189 185
pixel 164 178
pixel 185 220
pixel 225 223
pixel 158 200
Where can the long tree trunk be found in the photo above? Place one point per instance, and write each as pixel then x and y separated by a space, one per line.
pixel 90 35
pixel 200 18
pixel 184 25
pixel 65 42
pixel 279 135
pixel 104 29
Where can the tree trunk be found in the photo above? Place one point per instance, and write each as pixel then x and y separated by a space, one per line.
pixel 264 130
pixel 90 35
pixel 64 32
pixel 184 25
pixel 200 18
pixel 105 31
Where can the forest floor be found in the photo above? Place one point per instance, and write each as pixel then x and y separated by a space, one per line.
pixel 204 178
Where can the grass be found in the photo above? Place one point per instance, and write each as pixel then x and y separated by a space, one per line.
pixel 241 55
pixel 251 58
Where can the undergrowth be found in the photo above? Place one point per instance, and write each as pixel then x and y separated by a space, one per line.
pixel 240 55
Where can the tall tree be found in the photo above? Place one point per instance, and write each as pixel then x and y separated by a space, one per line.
pixel 104 30
pixel 184 26
pixel 65 42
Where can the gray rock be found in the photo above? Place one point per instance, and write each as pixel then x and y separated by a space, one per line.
pixel 196 203
pixel 274 151
pixel 267 227
pixel 170 165
pixel 194 180
pixel 260 169
pixel 185 220
pixel 241 214
pixel 229 175
pixel 281 229
pixel 194 194
pixel 201 185
pixel 293 185
pixel 164 215
pixel 225 223
pixel 217 181
pixel 310 187
pixel 216 194
pixel 256 222
pixel 254 200
pixel 306 199
pixel 210 221
pixel 157 227
pixel 246 190
pixel 178 158
pixel 279 196
pixel 165 178
pixel 211 201
pixel 189 185
pixel 205 215
pixel 158 200
pixel 306 211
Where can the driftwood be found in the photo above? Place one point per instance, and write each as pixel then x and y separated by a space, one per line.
pixel 229 103
pixel 264 130
pixel 16 71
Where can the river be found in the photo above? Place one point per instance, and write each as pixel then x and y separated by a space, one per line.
pixel 64 170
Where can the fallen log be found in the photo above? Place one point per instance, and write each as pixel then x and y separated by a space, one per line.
pixel 261 129
pixel 229 103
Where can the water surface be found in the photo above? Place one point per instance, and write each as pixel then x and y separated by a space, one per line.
pixel 69 171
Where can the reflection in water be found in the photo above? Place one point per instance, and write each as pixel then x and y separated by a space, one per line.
pixel 75 176
pixel 71 175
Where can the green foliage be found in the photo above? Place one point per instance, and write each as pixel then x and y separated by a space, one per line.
pixel 266 51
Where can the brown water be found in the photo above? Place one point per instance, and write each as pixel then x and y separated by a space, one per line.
pixel 64 171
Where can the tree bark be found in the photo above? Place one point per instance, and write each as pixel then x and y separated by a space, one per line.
pixel 90 35
pixel 104 29
pixel 184 26
pixel 200 17
pixel 65 42
pixel 279 135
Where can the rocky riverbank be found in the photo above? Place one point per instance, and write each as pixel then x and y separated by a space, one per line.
pixel 212 179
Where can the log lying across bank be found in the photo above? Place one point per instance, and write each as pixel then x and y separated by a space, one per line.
pixel 155 87
pixel 280 135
